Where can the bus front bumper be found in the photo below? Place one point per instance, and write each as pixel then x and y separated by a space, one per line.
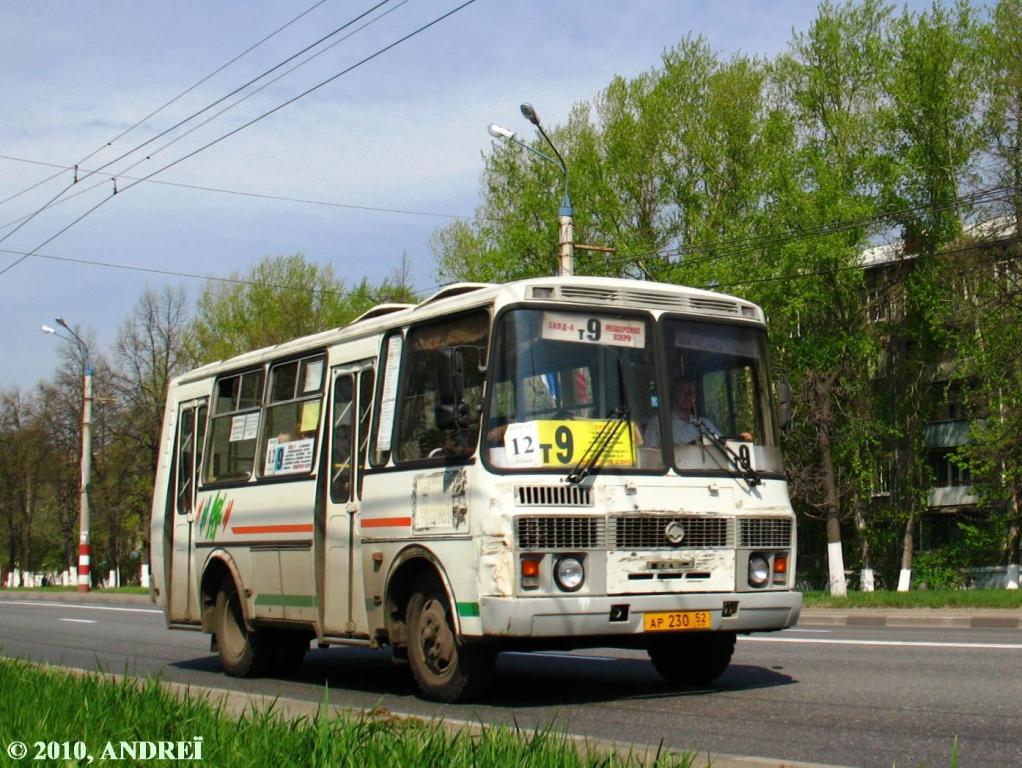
pixel 623 614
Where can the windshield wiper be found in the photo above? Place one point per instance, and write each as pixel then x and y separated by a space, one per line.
pixel 605 438
pixel 739 461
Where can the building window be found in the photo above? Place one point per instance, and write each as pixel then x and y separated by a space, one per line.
pixel 947 473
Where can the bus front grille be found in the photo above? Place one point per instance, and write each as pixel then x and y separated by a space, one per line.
pixel 765 532
pixel 560 532
pixel 651 532
pixel 553 496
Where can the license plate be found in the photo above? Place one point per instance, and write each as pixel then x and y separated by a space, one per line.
pixel 676 621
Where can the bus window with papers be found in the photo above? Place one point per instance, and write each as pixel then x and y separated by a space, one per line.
pixel 234 427
pixel 442 388
pixel 292 417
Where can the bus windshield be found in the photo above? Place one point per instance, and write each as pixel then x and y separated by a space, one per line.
pixel 564 383
pixel 716 388
pixel 572 387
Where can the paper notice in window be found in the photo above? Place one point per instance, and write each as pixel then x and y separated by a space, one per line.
pixel 251 426
pixel 237 429
pixel 389 393
pixel 594 329
pixel 289 458
pixel 310 416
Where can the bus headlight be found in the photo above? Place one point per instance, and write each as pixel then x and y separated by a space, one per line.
pixel 759 570
pixel 569 574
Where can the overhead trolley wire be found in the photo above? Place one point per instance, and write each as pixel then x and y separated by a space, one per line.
pixel 122 173
pixel 187 119
pixel 242 193
pixel 240 128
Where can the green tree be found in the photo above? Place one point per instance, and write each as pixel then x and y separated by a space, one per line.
pixel 832 84
pixel 934 137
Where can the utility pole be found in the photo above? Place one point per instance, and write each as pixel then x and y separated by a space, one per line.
pixel 565 215
pixel 84 543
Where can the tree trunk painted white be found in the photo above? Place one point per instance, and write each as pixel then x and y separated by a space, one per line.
pixel 144 580
pixel 905 579
pixel 836 563
pixel 866 580
pixel 1012 576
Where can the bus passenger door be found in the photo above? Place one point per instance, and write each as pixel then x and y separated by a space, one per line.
pixel 350 395
pixel 191 428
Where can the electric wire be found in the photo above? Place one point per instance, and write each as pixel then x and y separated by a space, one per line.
pixel 176 139
pixel 187 119
pixel 1002 241
pixel 240 193
pixel 242 127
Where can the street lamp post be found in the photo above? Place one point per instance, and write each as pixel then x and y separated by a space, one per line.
pixel 565 215
pixel 84 548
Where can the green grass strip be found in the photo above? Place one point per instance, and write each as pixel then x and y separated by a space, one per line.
pixel 41 704
pixel 923 598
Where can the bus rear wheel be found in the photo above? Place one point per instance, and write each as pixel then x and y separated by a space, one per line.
pixel 445 669
pixel 243 652
pixel 696 659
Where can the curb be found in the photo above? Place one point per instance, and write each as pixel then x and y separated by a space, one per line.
pixel 908 618
pixel 108 598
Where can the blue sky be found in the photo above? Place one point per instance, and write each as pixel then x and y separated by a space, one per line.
pixel 404 131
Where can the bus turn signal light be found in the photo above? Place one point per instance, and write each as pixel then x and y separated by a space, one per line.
pixel 530 574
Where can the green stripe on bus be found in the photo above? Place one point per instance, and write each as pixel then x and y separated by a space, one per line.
pixel 290 601
pixel 468 609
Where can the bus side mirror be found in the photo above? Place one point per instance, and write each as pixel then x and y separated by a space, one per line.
pixel 784 404
pixel 451 410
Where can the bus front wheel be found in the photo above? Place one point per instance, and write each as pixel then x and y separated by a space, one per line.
pixel 696 659
pixel 242 652
pixel 444 668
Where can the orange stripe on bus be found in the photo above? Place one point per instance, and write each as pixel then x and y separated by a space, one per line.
pixel 298 528
pixel 386 522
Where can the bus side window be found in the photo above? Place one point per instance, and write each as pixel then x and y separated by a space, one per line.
pixel 191 436
pixel 185 461
pixel 341 436
pixel 235 426
pixel 420 436
pixel 292 417
pixel 366 386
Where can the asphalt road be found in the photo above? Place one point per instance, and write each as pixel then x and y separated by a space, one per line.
pixel 872 696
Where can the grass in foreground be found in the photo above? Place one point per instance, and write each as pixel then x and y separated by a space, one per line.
pixel 48 705
pixel 924 598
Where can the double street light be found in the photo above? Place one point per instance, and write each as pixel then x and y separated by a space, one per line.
pixel 565 216
pixel 84 551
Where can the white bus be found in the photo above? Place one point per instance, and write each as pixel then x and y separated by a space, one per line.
pixel 481 472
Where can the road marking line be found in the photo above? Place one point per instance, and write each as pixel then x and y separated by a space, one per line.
pixel 82 621
pixel 816 631
pixel 80 607
pixel 565 655
pixel 892 643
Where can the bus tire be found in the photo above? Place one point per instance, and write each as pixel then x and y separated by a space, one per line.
pixel 444 669
pixel 243 653
pixel 696 659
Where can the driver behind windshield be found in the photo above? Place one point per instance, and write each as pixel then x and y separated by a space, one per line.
pixel 683 408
